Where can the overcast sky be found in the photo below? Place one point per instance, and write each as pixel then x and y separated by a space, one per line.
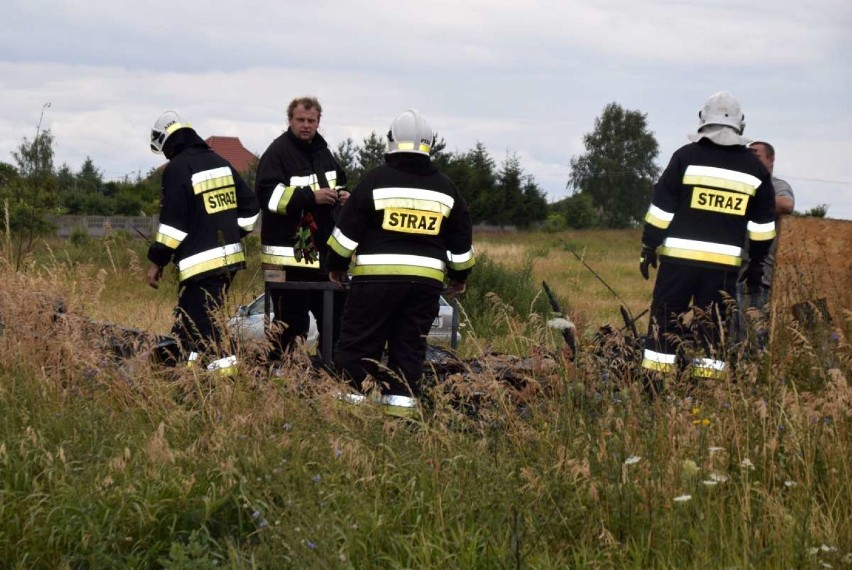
pixel 521 77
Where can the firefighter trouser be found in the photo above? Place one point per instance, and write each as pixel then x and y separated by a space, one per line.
pixel 291 312
pixel 399 314
pixel 711 293
pixel 194 326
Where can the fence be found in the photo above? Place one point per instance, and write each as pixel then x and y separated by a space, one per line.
pixel 98 226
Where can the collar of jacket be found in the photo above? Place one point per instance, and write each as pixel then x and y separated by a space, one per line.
pixel 180 140
pixel 410 162
pixel 317 143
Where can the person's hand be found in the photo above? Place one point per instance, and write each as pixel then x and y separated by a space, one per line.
pixel 325 197
pixel 154 274
pixel 455 288
pixel 646 258
pixel 342 195
pixel 339 277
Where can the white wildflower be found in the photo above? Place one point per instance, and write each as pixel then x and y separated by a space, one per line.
pixel 682 498
pixel 790 483
pixel 715 479
pixel 632 459
pixel 747 464
pixel 713 450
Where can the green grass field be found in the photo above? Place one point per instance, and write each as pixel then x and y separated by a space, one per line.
pixel 119 464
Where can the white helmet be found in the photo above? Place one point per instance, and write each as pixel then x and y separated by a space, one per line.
pixel 722 109
pixel 165 125
pixel 410 132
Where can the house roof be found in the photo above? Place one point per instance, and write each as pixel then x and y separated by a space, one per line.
pixel 232 150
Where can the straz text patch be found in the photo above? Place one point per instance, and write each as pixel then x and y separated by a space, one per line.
pixel 220 200
pixel 412 221
pixel 722 201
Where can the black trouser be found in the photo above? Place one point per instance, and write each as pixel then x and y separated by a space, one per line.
pixel 194 326
pixel 399 314
pixel 291 312
pixel 712 292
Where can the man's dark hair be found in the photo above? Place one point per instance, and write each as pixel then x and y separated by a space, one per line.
pixel 770 150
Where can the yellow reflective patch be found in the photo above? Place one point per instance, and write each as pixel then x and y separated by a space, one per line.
pixel 719 201
pixel 412 221
pixel 220 200
pixel 205 185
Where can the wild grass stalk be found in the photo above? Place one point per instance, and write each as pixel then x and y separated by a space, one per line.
pixel 523 459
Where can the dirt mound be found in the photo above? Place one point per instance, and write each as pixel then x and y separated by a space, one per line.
pixel 814 262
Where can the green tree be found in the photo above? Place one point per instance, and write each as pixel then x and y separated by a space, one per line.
pixel 347 157
pixel 618 169
pixel 371 153
pixel 36 195
pixel 479 184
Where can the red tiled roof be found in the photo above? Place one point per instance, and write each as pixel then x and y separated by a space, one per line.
pixel 232 150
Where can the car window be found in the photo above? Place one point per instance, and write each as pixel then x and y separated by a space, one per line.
pixel 256 307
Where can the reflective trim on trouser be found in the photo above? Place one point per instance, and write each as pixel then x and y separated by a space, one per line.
pixel 402 406
pixel 708 368
pixel 225 366
pixel 658 361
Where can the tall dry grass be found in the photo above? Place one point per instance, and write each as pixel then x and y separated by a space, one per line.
pixel 529 462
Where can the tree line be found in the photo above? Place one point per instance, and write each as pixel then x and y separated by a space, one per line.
pixel 611 182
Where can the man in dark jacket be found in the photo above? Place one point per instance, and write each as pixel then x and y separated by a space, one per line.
pixel 206 209
pixel 300 186
pixel 713 194
pixel 411 229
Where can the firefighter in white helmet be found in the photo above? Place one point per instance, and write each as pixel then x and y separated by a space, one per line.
pixel 205 211
pixel 712 197
pixel 410 231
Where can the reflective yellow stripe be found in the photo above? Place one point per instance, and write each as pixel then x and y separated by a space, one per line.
pixel 721 178
pixel 169 236
pixel 657 366
pixel 761 232
pixel 411 146
pixel 212 184
pixel 337 248
pixel 462 261
pixel 166 240
pixel 708 368
pixel 281 255
pixel 722 259
pixel 225 260
pixel 658 217
pixel 280 198
pixel 411 270
pixel 247 224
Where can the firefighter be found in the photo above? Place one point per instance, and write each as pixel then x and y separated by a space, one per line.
pixel 300 186
pixel 410 229
pixel 713 194
pixel 206 209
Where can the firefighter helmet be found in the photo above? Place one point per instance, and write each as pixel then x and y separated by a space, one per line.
pixel 165 125
pixel 410 132
pixel 722 109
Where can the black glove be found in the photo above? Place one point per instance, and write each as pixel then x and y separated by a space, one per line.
pixel 646 258
pixel 752 276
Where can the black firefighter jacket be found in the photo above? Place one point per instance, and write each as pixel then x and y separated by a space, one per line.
pixel 708 200
pixel 408 222
pixel 289 173
pixel 206 209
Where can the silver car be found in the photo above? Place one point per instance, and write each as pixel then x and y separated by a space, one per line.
pixel 247 324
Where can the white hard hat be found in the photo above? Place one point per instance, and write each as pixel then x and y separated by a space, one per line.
pixel 722 109
pixel 410 132
pixel 164 126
